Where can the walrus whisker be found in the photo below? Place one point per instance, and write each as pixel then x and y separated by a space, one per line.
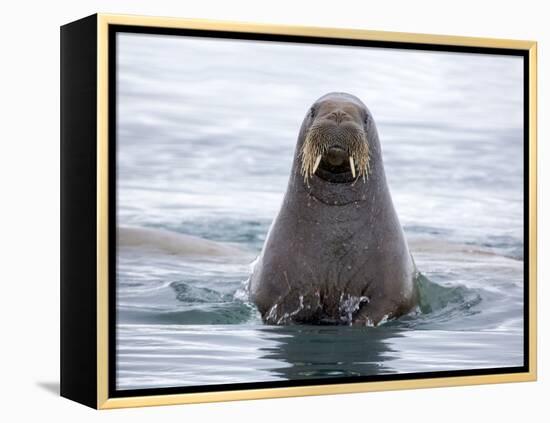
pixel 320 138
pixel 312 152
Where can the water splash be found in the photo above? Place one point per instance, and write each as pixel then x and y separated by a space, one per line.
pixel 350 304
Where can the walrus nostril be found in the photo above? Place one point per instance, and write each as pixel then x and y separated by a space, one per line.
pixel 337 116
pixel 336 156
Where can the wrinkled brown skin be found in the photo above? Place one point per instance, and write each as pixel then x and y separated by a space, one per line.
pixel 332 240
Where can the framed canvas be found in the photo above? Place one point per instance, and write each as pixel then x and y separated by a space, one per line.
pixel 257 211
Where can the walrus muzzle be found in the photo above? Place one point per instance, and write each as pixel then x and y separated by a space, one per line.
pixel 336 153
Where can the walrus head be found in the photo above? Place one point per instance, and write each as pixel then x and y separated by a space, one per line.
pixel 338 159
pixel 336 146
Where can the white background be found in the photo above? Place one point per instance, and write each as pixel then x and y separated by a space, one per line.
pixel 29 224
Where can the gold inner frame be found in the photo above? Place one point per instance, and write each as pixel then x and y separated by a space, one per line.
pixel 103 400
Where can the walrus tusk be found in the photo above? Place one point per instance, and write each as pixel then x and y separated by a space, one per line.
pixel 352 166
pixel 316 165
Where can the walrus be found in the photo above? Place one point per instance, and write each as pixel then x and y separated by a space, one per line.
pixel 336 252
pixel 162 241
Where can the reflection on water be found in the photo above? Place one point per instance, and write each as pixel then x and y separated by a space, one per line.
pixel 205 139
pixel 297 352
pixel 332 352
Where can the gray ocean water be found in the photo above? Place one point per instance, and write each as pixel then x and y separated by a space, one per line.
pixel 206 135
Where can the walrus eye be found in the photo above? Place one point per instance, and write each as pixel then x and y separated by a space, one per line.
pixel 312 112
pixel 367 121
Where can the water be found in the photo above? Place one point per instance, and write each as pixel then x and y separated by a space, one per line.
pixel 206 135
